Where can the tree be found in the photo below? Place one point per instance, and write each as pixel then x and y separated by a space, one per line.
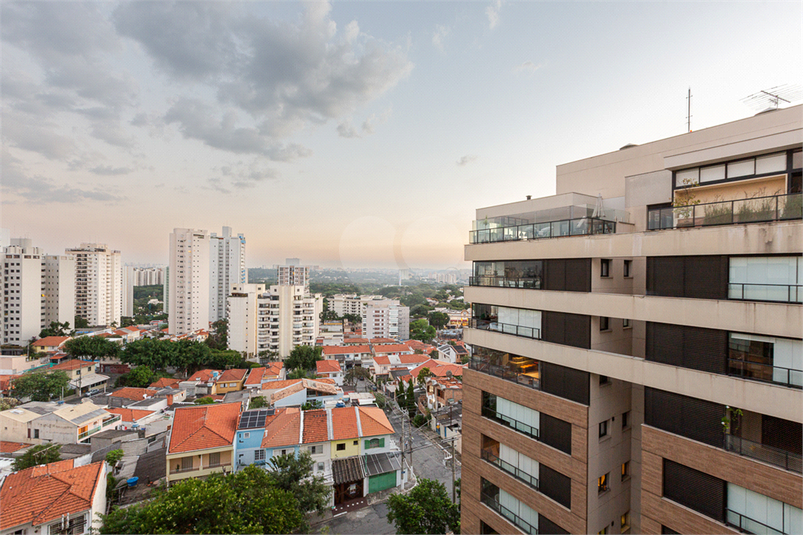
pixel 311 405
pixel 401 397
pixel 353 318
pixel 438 319
pixel 56 329
pixel 269 356
pixel 425 509
pixel 294 475
pixel 355 373
pixel 40 385
pixel 219 335
pixel 80 323
pixel 412 407
pixel 140 377
pixel 258 402
pixel 420 311
pixel 114 456
pixel 303 357
pixel 421 330
pixel 422 376
pixel 207 400
pixel 95 347
pixel 244 502
pixel 40 454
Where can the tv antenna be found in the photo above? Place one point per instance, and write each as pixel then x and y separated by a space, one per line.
pixel 771 99
pixel 688 112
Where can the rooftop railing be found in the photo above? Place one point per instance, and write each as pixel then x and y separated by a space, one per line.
pixel 535 231
pixel 752 210
pixel 761 452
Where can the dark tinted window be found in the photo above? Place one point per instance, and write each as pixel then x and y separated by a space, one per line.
pixel 547 527
pixel 694 489
pixel 565 382
pixel 556 433
pixel 702 277
pixel 555 485
pixel 692 418
pixel 687 347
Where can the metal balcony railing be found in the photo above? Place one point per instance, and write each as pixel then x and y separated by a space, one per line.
pixel 761 452
pixel 514 519
pixel 535 231
pixel 783 293
pixel 507 421
pixel 767 373
pixel 517 330
pixel 530 283
pixel 745 524
pixel 510 469
pixel 183 470
pixel 508 373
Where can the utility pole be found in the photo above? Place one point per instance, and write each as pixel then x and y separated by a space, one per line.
pixel 454 499
pixel 688 113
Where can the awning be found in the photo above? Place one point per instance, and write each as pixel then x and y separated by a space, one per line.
pixel 381 463
pixel 347 470
pixel 89 380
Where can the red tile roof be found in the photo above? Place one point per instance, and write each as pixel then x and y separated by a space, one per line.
pixel 277 385
pixel 203 376
pixel 383 341
pixel 255 376
pixel 417 344
pixel 327 366
pixel 382 360
pixel 346 350
pixel 73 364
pixel 130 415
pixel 284 429
pixel 11 447
pixel 391 348
pixel 360 341
pixel 344 423
pixel 411 359
pixel 316 428
pixel 165 382
pixel 232 375
pixel 51 341
pixel 41 494
pixel 374 422
pixel 275 368
pixel 5 381
pixel 130 392
pixel 203 427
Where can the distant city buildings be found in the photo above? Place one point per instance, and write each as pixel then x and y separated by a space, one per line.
pixel 23 292
pixel 98 283
pixel 139 276
pixel 293 275
pixel 381 317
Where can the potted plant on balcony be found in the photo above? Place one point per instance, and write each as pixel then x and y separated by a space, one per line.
pixel 684 203
pixel 719 212
pixel 756 207
pixel 793 206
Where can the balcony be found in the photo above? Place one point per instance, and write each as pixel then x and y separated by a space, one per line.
pixel 110 421
pixel 88 432
pixel 752 210
pixel 767 373
pixel 512 517
pixel 582 226
pixel 517 330
pixel 185 470
pixel 507 421
pixel 529 283
pixel 746 524
pixel 510 469
pixel 781 293
pixel 519 370
pixel 217 465
pixel 767 454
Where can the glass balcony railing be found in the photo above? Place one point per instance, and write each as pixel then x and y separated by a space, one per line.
pixel 510 469
pixel 767 373
pixel 751 210
pixel 514 519
pixel 745 524
pixel 517 330
pixel 761 452
pixel 530 283
pixel 535 231
pixel 523 375
pixel 783 293
pixel 88 432
pixel 507 421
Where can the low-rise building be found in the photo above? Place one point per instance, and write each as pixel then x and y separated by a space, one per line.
pixel 230 381
pixel 50 343
pixel 348 355
pixel 55 498
pixel 83 376
pixel 17 364
pixel 329 369
pixel 202 441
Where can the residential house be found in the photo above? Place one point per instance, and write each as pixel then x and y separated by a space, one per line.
pixel 296 392
pixel 257 377
pixel 315 440
pixel 17 364
pixel 14 424
pixel 202 441
pixel 250 432
pixel 56 498
pixel 447 352
pixel 165 382
pixel 50 343
pixel 443 391
pixel 230 381
pixel 283 433
pixel 133 417
pixel 348 355
pixel 82 375
pixel 200 383
pixel 330 369
pixel 65 424
pixel 129 394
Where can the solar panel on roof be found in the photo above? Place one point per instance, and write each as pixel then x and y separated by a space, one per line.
pixel 254 418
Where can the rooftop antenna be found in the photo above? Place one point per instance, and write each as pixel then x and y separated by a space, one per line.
pixel 771 99
pixel 688 112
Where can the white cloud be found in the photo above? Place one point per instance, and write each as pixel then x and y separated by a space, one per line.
pixel 527 67
pixel 441 32
pixel 492 12
pixel 467 159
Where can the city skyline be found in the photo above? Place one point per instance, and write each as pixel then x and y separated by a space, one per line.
pixel 347 134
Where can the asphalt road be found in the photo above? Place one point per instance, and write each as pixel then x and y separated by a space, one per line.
pixel 428 461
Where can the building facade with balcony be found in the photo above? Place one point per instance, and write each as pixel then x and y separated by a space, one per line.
pixel 226 268
pixel 188 281
pixel 638 360
pixel 98 283
pixel 286 317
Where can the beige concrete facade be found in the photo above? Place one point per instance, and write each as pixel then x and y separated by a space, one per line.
pixel 616 463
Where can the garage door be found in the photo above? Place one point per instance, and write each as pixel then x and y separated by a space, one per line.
pixel 381 482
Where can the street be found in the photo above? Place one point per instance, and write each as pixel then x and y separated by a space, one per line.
pixel 428 461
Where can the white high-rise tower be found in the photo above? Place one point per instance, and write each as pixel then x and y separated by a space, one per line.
pixel 98 283
pixel 189 285
pixel 226 267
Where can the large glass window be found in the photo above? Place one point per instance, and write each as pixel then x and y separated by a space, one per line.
pixel 766 278
pixel 519 417
pixel 764 358
pixel 755 513
pixel 518 321
pixel 510 273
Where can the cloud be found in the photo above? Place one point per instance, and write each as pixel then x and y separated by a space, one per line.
pixel 465 160
pixel 492 12
pixel 242 176
pixel 527 67
pixel 108 170
pixel 22 132
pixel 44 190
pixel 284 75
pixel 345 129
pixel 441 32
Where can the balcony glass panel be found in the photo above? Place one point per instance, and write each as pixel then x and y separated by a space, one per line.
pixel 516 321
pixel 751 210
pixel 508 274
pixel 762 358
pixel 514 368
pixel 762 452
pixel 516 512
pixel 752 512
pixel 766 278
pixel 523 419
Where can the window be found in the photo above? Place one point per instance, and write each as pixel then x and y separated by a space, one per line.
pixel 604 323
pixel 625 470
pixel 35 433
pixel 627 269
pixel 75 526
pixel 320 467
pixel 186 463
pixel 341 446
pixel 603 483
pixel 356 443
pixel 375 443
pixel 626 420
pixel 604 531
pixel 315 449
pixel 605 268
pixel 214 459
pixel 259 455
pixel 603 429
pixel 626 324
pixel 625 522
pixel 247 435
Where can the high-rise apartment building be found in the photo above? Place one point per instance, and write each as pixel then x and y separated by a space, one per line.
pixel 58 285
pixel 98 283
pixel 226 267
pixel 188 284
pixel 353 304
pixel 293 275
pixel 286 317
pixel 638 360
pixel 385 318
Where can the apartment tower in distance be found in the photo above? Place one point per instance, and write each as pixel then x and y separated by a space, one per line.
pixel 188 281
pixel 638 360
pixel 226 267
pixel 98 283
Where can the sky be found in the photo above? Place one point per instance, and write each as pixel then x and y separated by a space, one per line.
pixel 347 134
